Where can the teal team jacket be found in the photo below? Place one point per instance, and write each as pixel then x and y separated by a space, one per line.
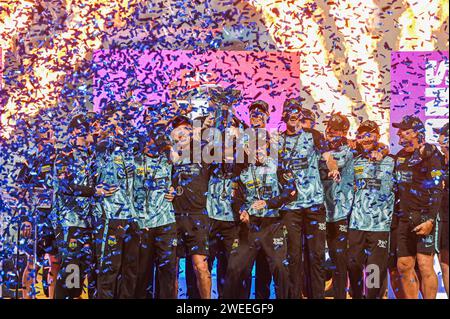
pixel 300 154
pixel 374 197
pixel 152 181
pixel 115 167
pixel 339 196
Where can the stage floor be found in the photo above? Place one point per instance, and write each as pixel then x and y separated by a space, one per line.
pixel 182 287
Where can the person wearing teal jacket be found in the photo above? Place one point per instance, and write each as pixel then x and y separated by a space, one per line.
pixel 221 204
pixel 338 197
pixel 36 230
pixel 266 189
pixel 300 152
pixel 75 189
pixel 117 237
pixel 224 229
pixel 371 217
pixel 153 194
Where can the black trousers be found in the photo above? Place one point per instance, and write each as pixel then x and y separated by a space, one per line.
pixel 92 274
pixel 293 220
pixel 157 254
pixel 118 244
pixel 221 239
pixel 337 240
pixel 263 277
pixel 369 251
pixel 222 236
pixel 314 237
pixel 76 254
pixel 267 235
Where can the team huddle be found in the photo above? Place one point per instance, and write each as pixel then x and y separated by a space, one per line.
pixel 122 206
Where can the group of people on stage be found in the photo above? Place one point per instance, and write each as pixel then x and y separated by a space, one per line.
pixel 122 206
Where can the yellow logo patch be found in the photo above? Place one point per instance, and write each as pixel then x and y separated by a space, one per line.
pixel 436 173
pixel 112 241
pixel 118 160
pixel 359 170
pixel 73 244
pixel 252 184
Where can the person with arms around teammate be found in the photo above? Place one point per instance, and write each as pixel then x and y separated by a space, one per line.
pixel 338 199
pixel 74 185
pixel 370 221
pixel 300 149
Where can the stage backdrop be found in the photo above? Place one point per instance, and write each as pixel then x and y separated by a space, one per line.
pixel 419 85
pixel 149 75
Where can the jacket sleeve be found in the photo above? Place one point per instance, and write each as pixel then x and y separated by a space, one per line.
pixel 66 180
pixel 238 202
pixel 241 202
pixel 320 143
pixel 288 190
pixel 435 183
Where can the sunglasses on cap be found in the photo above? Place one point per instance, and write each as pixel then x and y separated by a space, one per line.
pixel 256 113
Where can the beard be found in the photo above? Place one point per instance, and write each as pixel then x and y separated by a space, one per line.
pixel 405 143
pixel 368 145
pixel 292 126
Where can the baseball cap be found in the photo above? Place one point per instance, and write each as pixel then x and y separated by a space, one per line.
pixel 291 106
pixel 91 117
pixel 180 120
pixel 292 103
pixel 368 126
pixel 442 131
pixel 116 106
pixel 79 121
pixel 410 122
pixel 259 105
pixel 338 122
